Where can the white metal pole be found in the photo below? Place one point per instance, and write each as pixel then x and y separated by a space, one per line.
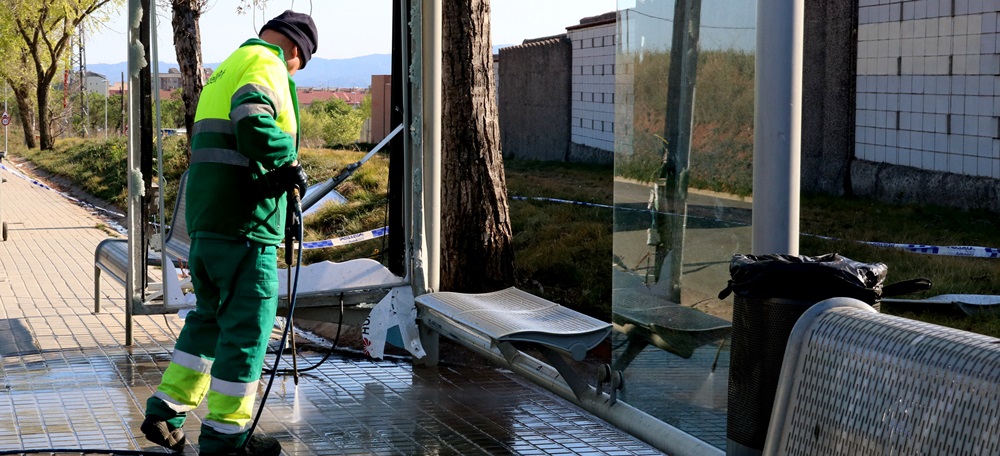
pixel 777 124
pixel 431 137
pixel 3 225
pixel 5 112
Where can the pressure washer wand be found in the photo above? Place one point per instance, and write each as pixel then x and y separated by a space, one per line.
pixel 293 232
pixel 320 190
pixel 293 290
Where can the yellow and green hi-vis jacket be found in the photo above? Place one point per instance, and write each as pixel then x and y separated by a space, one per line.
pixel 246 125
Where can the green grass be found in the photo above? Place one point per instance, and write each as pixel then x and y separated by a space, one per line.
pixel 366 191
pixel 96 166
pixel 721 137
pixel 863 220
pixel 562 252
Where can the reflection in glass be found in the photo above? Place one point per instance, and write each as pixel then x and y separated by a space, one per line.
pixel 683 158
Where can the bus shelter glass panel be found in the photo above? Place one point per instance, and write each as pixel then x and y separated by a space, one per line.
pixel 684 106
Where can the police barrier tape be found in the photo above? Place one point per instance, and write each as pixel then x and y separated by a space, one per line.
pixel 46 187
pixel 349 239
pixel 343 240
pixel 950 250
pixel 953 250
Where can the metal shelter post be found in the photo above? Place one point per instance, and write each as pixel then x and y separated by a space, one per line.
pixel 139 133
pixel 671 189
pixel 431 137
pixel 777 127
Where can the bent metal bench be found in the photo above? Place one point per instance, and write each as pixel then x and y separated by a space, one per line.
pixel 111 255
pixel 494 322
pixel 347 286
pixel 854 381
pixel 506 325
pixel 646 319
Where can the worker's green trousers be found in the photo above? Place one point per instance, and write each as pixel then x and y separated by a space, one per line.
pixel 220 350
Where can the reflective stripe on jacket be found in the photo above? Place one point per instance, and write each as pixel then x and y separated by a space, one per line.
pixel 246 125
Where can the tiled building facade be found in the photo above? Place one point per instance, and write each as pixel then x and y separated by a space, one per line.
pixel 927 78
pixel 593 82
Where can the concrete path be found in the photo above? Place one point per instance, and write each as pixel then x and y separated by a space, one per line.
pixel 68 383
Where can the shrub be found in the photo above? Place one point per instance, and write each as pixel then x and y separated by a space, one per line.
pixel 332 123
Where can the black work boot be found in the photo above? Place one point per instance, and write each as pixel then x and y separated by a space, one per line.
pixel 259 445
pixel 162 433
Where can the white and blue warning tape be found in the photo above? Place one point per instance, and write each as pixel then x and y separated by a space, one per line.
pixel 950 250
pixel 36 183
pixel 343 240
pixel 953 250
pixel 557 200
pixel 349 239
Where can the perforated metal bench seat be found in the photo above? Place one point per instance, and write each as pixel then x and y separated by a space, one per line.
pixel 513 315
pixel 329 284
pixel 854 381
pixel 111 255
pixel 645 318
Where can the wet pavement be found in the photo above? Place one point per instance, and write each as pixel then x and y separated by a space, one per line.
pixel 69 383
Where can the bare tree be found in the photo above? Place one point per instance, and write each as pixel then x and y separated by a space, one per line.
pixel 476 240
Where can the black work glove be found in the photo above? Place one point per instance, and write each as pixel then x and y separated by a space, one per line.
pixel 301 180
pixel 291 177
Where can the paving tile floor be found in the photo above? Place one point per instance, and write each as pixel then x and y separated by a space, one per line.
pixel 68 382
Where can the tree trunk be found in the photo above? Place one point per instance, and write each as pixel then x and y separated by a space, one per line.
pixel 187 41
pixel 22 96
pixel 47 140
pixel 477 253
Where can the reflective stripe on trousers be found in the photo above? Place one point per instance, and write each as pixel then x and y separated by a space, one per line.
pixel 229 330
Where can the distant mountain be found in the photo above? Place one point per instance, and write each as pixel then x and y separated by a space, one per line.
pixel 326 73
pixel 319 73
pixel 353 72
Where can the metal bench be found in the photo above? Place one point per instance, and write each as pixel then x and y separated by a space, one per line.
pixel 111 255
pixel 353 286
pixel 855 381
pixel 646 319
pixel 494 322
pixel 501 325
pixel 323 286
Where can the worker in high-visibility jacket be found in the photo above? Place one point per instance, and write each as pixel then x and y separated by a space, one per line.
pixel 244 159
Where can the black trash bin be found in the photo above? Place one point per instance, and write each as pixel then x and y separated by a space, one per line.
pixel 772 292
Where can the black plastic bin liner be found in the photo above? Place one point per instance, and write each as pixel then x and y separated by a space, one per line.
pixel 805 278
pixel 772 292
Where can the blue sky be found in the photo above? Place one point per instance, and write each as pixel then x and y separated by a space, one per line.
pixel 348 28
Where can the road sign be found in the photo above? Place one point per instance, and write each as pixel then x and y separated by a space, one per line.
pixel 5 119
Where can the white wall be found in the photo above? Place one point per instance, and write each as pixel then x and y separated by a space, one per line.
pixel 98 85
pixel 593 86
pixel 927 80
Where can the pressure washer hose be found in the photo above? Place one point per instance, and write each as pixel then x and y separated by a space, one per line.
pixel 293 289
